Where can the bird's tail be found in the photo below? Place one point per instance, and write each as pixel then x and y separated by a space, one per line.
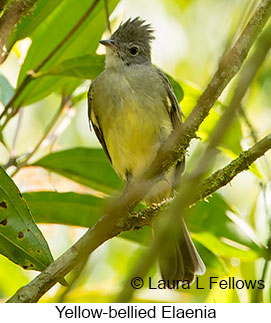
pixel 178 258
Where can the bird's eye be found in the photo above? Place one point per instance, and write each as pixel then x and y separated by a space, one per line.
pixel 134 50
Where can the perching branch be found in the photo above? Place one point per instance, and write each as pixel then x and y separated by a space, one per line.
pixel 116 219
pixel 11 16
pixel 3 4
pixel 229 66
pixel 96 235
pixel 223 176
pixel 190 183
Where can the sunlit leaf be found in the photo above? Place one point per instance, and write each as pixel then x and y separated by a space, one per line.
pixel 218 228
pixel 228 250
pixel 12 277
pixel 20 239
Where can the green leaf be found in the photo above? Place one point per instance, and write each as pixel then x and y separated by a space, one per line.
pixel 87 166
pixel 50 33
pixel 84 67
pixel 79 97
pixel 43 206
pixel 64 208
pixel 219 247
pixel 6 90
pixel 218 228
pixel 12 277
pixel 20 239
pixel 177 88
pixel 29 23
pixel 90 66
pixel 232 137
pixel 211 260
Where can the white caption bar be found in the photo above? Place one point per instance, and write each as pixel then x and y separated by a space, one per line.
pixel 44 313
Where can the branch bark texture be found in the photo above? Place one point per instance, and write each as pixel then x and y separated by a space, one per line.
pixel 97 234
pixel 11 16
pixel 228 67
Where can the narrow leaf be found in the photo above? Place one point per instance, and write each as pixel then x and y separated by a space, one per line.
pixel 49 35
pixel 216 221
pixel 87 166
pixel 63 208
pixel 85 67
pixel 43 206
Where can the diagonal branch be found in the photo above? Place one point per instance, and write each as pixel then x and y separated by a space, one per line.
pixel 229 66
pixel 3 4
pixel 116 219
pixel 94 238
pixel 190 182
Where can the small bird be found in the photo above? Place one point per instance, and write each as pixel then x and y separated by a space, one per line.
pixel 133 110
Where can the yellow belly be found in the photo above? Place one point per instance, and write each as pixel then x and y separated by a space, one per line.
pixel 134 138
pixel 134 119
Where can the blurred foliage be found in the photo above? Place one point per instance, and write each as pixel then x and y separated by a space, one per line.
pixel 230 229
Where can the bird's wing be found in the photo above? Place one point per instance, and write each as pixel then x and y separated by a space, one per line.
pixel 95 124
pixel 172 103
pixel 175 114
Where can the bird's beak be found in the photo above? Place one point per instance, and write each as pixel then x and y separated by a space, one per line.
pixel 109 43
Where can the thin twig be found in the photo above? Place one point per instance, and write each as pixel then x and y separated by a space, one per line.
pixel 19 122
pixel 251 128
pixel 21 164
pixel 257 295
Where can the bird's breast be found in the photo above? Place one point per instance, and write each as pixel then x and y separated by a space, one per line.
pixel 134 121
